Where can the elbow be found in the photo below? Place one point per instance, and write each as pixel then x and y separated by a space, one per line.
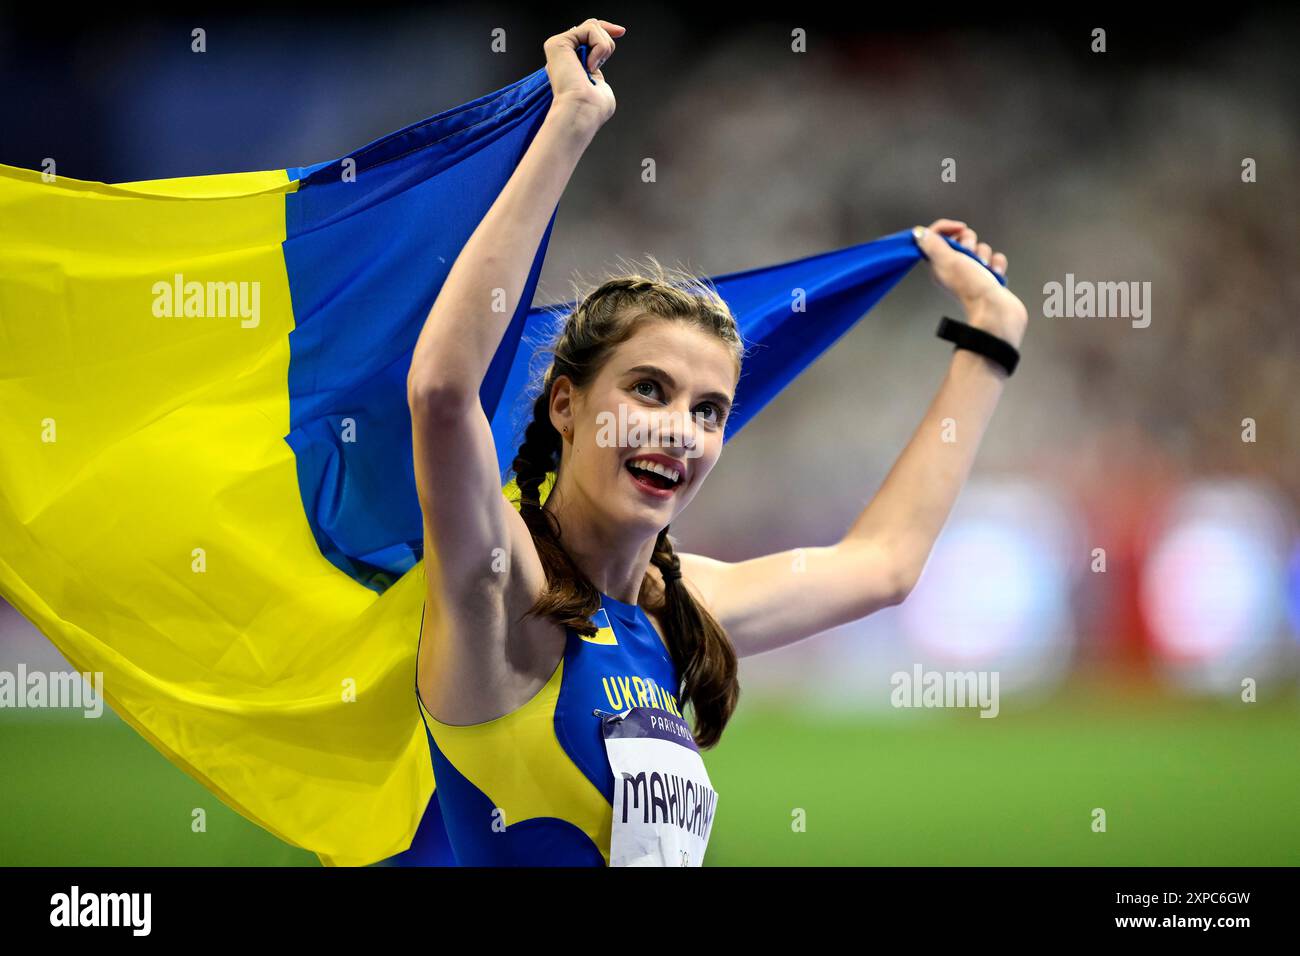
pixel 904 574
pixel 901 585
pixel 431 398
pixel 898 572
pixel 892 573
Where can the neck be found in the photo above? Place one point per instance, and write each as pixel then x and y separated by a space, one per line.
pixel 614 560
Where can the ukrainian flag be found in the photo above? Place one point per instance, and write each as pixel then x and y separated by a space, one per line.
pixel 206 491
pixel 604 630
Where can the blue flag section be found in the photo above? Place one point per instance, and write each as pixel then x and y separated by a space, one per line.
pixel 370 239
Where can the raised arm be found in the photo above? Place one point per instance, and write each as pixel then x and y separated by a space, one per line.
pixel 780 598
pixel 471 532
pixel 470 315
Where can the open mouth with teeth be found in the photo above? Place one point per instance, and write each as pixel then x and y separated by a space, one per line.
pixel 654 475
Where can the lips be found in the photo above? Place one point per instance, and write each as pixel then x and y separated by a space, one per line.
pixel 658 475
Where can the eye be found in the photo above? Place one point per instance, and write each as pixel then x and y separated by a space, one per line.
pixel 653 386
pixel 710 412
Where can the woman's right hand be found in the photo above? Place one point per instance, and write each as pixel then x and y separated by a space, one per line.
pixel 569 83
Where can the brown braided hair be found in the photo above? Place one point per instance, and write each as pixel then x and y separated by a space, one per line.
pixel 607 316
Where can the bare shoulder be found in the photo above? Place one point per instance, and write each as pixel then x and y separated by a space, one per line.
pixel 703 576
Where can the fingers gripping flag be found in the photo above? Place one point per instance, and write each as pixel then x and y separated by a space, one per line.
pixel 207 491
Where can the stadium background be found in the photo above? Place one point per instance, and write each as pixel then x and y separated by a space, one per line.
pixel 1120 689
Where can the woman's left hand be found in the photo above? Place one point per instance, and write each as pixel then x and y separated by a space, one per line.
pixel 989 305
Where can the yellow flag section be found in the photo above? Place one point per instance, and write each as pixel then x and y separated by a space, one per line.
pixel 150 518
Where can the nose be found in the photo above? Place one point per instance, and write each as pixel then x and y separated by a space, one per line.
pixel 678 429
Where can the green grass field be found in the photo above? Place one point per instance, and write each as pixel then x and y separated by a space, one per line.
pixel 1182 783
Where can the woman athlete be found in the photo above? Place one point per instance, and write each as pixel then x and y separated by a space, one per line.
pixel 563 636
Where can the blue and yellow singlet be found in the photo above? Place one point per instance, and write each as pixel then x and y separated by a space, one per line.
pixel 534 787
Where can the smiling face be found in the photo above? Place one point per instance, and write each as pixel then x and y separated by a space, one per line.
pixel 648 429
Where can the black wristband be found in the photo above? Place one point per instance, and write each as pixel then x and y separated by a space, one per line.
pixel 977 340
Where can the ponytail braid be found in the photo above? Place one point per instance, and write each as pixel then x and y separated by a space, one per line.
pixel 575 599
pixel 700 648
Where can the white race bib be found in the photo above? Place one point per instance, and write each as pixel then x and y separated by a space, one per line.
pixel 663 800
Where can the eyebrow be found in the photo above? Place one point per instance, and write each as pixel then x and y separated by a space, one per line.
pixel 718 397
